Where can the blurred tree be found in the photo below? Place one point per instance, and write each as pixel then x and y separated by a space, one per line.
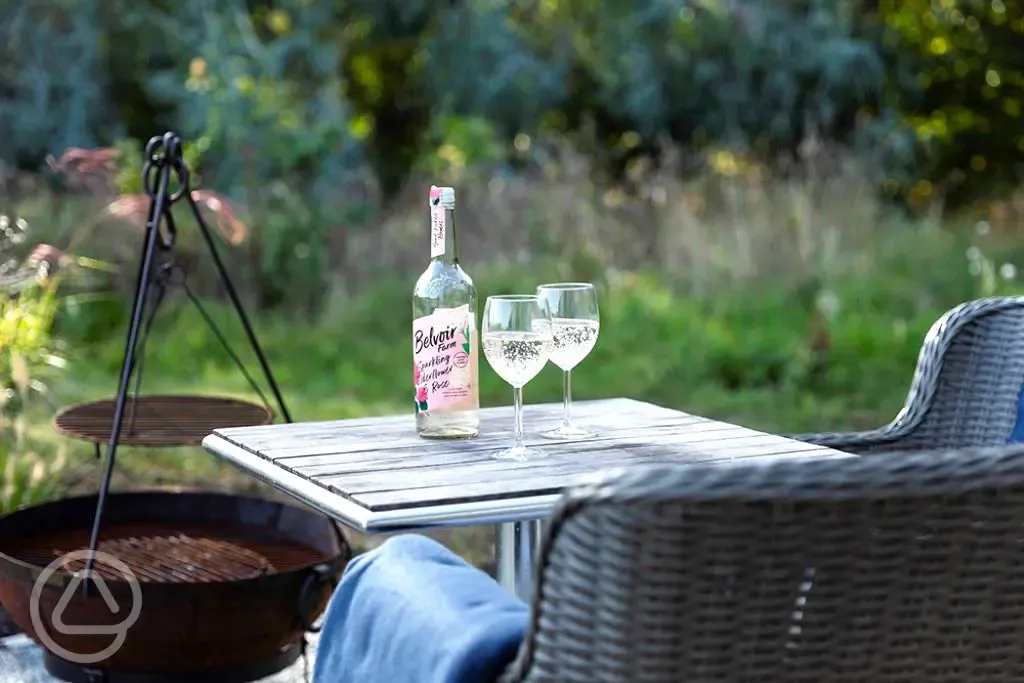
pixel 929 90
pixel 410 64
pixel 383 43
pixel 968 101
pixel 257 88
pixel 762 77
pixel 53 82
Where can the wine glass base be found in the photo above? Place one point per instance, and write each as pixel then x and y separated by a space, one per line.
pixel 520 453
pixel 568 432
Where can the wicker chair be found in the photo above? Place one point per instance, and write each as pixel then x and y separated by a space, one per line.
pixel 885 569
pixel 966 387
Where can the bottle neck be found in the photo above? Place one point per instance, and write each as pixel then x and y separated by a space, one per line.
pixel 450 254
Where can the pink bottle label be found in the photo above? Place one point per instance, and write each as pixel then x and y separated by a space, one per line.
pixel 443 354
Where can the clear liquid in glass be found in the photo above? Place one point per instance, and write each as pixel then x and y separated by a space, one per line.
pixel 517 357
pixel 574 339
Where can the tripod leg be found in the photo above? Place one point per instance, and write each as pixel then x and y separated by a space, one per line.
pixel 142 288
pixel 236 302
pixel 146 326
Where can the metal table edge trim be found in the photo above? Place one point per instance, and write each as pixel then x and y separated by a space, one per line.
pixel 386 521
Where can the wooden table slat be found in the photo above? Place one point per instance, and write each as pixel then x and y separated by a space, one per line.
pixel 582 456
pixel 534 484
pixel 561 465
pixel 299 433
pixel 440 452
pixel 495 435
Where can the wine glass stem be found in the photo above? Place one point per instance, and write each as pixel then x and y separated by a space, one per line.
pixel 566 398
pixel 517 402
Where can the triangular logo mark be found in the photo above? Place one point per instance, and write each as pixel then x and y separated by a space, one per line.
pixel 70 629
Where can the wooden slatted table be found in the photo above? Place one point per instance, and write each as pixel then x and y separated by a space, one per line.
pixel 377 475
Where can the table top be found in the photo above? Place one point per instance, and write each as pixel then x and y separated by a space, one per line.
pixel 376 475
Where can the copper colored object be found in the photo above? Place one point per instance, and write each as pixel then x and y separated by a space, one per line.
pixel 157 420
pixel 224 580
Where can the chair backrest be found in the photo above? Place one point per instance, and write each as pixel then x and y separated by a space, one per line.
pixel 892 568
pixel 967 385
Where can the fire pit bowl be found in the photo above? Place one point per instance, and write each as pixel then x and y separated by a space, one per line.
pixel 228 585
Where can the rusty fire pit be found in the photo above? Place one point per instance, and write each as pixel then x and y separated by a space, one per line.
pixel 211 587
pixel 228 585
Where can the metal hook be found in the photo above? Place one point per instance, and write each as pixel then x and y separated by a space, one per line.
pixel 164 151
pixel 167 230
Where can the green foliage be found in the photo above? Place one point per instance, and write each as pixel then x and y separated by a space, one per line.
pixel 458 143
pixel 262 100
pixel 26 476
pixel 758 76
pixel 28 357
pixel 53 79
pixel 28 305
pixel 838 354
pixel 968 98
pixel 261 91
pixel 929 92
pixel 483 60
pixel 292 246
pixel 743 72
pixel 32 361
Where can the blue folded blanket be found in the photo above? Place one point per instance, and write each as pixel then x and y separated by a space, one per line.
pixel 411 611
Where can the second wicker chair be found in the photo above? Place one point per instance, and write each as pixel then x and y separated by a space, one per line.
pixel 966 389
pixel 904 568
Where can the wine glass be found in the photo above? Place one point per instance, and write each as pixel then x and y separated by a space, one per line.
pixel 575 323
pixel 517 339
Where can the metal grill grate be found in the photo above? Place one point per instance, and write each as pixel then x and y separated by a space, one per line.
pixel 178 557
pixel 160 420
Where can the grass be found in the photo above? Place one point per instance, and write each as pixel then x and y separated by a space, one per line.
pixel 783 305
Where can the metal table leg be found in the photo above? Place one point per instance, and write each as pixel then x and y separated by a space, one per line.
pixel 517 547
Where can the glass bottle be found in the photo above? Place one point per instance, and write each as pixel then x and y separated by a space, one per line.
pixel 446 356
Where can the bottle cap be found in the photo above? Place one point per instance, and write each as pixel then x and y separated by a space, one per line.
pixel 442 196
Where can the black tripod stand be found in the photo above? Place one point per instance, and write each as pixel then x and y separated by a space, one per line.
pixel 164 167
